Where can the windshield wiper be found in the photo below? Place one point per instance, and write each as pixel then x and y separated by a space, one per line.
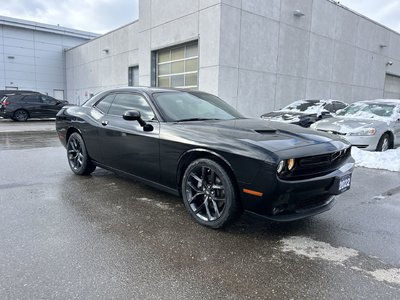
pixel 196 119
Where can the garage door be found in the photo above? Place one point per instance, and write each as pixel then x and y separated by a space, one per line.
pixel 392 87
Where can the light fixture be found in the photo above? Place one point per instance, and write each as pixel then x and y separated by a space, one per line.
pixel 10 57
pixel 298 13
pixel 383 46
pixel 106 50
pixel 389 63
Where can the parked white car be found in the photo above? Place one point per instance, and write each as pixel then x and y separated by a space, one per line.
pixel 370 125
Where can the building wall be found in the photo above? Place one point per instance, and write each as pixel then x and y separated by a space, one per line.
pixel 269 57
pixel 254 54
pixel 32 59
pixel 101 63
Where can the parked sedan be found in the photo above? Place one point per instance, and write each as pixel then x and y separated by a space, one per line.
pixel 305 112
pixel 21 107
pixel 371 125
pixel 195 145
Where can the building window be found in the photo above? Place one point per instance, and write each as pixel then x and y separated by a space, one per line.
pixel 178 67
pixel 133 76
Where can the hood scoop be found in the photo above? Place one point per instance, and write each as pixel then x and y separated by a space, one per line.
pixel 266 131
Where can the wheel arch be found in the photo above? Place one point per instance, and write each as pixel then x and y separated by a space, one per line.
pixel 70 131
pixel 191 155
pixel 23 109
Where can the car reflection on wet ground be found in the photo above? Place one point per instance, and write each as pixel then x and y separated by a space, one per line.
pixel 103 236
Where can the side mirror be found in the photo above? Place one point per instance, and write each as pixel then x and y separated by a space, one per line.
pixel 134 115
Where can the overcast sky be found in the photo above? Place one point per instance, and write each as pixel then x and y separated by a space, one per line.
pixel 104 15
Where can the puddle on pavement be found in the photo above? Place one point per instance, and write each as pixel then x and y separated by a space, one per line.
pixel 28 140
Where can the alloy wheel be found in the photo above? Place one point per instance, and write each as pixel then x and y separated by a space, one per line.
pixel 75 153
pixel 205 193
pixel 21 115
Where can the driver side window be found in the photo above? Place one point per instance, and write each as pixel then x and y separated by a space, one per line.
pixel 127 101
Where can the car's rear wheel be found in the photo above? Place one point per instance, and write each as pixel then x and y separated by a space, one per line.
pixel 78 158
pixel 20 115
pixel 384 143
pixel 209 194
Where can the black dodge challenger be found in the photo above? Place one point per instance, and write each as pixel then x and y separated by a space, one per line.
pixel 195 145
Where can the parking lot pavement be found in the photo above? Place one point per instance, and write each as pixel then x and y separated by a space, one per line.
pixel 103 236
pixel 32 125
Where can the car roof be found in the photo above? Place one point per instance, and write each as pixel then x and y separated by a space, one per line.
pixel 386 101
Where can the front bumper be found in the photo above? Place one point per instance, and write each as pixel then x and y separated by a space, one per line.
pixel 369 143
pixel 284 200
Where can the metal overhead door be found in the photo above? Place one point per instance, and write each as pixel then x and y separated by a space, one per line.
pixel 392 87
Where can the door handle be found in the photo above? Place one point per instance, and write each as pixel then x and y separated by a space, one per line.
pixel 104 123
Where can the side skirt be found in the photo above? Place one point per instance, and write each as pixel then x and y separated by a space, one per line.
pixel 141 179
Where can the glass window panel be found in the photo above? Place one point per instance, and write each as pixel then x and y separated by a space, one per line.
pixel 124 102
pixel 191 65
pixel 178 67
pixel 164 69
pixel 178 53
pixel 163 82
pixel 191 79
pixel 191 51
pixel 177 80
pixel 105 103
pixel 164 56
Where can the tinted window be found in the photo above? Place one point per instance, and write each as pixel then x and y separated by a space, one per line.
pixel 48 100
pixel 105 103
pixel 181 106
pixel 32 98
pixel 124 102
pixel 338 105
pixel 329 107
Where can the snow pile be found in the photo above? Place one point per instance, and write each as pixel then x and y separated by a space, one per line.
pixel 388 160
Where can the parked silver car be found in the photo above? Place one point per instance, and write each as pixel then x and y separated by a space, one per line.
pixel 371 125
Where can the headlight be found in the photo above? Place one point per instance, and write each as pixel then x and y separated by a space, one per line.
pixel 287 164
pixel 364 131
pixel 313 126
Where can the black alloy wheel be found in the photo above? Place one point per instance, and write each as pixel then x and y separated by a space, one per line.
pixel 20 115
pixel 209 194
pixel 384 143
pixel 78 157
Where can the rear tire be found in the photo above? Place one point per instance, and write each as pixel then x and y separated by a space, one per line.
pixel 209 194
pixel 20 115
pixel 78 158
pixel 384 143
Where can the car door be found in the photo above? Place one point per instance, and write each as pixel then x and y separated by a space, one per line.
pixel 50 106
pixel 33 104
pixel 124 144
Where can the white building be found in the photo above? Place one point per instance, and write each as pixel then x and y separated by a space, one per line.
pixel 258 55
pixel 32 55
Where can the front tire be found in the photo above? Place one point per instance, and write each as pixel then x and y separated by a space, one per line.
pixel 78 158
pixel 208 194
pixel 384 143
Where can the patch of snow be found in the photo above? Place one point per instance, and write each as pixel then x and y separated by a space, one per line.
pixel 390 275
pixel 388 160
pixel 312 249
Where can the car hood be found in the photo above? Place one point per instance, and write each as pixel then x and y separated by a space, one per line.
pixel 344 125
pixel 259 135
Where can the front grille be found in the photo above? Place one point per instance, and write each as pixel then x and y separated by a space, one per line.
pixel 315 166
pixel 333 132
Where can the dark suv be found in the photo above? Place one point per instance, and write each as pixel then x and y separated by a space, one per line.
pixel 21 107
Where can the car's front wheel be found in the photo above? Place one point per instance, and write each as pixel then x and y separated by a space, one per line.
pixel 208 193
pixel 384 143
pixel 78 158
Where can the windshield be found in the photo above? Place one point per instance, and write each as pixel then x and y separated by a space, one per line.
pixel 196 106
pixel 305 106
pixel 367 111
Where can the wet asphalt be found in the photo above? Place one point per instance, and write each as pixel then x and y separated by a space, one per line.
pixel 103 236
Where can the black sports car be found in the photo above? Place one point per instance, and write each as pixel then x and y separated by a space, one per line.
pixel 22 106
pixel 195 145
pixel 305 112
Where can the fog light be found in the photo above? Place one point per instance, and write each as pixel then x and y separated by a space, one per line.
pixel 290 164
pixel 281 166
